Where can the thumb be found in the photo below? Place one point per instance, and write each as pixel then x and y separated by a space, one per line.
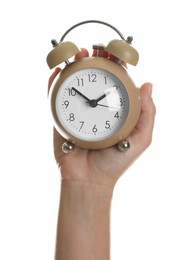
pixel 142 134
pixel 146 96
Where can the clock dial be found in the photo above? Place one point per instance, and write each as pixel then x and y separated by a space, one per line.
pixel 92 104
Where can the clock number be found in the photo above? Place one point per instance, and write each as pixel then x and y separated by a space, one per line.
pixel 94 129
pixel 66 103
pixel 116 115
pixel 71 117
pixel 80 82
pixel 71 92
pixel 105 80
pixel 121 102
pixel 92 78
pixel 107 125
pixel 82 123
pixel 116 88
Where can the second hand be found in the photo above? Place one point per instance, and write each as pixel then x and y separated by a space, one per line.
pixel 108 107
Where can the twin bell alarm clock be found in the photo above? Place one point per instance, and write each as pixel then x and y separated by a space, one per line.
pixel 94 102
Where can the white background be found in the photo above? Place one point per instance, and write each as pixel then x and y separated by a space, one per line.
pixel 150 210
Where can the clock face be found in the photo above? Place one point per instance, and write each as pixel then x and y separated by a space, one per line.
pixel 92 104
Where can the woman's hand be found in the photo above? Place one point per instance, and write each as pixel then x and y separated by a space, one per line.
pixel 107 165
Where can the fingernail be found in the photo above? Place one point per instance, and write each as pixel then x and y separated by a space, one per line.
pixel 150 90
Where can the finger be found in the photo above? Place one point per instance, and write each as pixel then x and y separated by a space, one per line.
pixel 53 76
pixel 81 54
pixel 142 134
pixel 58 142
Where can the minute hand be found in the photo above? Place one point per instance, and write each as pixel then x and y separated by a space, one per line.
pixel 82 95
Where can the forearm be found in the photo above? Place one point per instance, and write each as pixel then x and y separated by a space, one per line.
pixel 83 231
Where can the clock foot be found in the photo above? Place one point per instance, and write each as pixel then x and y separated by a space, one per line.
pixel 68 147
pixel 123 146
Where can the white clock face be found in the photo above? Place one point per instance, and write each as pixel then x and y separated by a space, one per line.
pixel 92 104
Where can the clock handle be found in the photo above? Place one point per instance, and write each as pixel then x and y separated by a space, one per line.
pixel 95 21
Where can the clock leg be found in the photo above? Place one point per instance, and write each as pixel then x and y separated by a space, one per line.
pixel 68 147
pixel 124 145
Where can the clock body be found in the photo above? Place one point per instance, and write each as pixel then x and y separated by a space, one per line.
pixel 94 103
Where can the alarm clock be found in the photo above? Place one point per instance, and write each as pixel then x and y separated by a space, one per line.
pixel 94 102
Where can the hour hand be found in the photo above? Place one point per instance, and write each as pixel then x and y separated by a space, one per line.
pixel 81 94
pixel 102 97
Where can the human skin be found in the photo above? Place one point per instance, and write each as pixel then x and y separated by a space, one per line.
pixel 88 178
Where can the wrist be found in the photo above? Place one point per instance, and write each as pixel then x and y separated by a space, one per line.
pixel 86 190
pixel 84 221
